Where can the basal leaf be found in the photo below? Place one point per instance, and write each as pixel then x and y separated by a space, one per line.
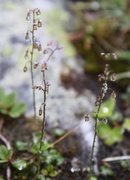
pixel 17 110
pixel 126 124
pixel 4 153
pixel 110 135
pixel 20 164
pixel 107 108
pixel 21 145
pixel 106 171
pixel 8 100
pixel 104 131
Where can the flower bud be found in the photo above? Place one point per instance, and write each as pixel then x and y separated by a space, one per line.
pixel 40 112
pixel 49 43
pixel 59 47
pixel 101 77
pixel 43 67
pixel 106 70
pixel 86 118
pixel 35 45
pixel 97 103
pixel 26 55
pixel 27 36
pixel 44 51
pixel 102 54
pixel 114 56
pixel 104 120
pixel 113 94
pixel 34 26
pixel 28 17
pixel 39 24
pixel 40 87
pixel 35 65
pixel 113 77
pixel 39 47
pixel 38 12
pixel 33 87
pixel 25 69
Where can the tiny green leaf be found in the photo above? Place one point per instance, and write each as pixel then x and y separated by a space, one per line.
pixel 20 164
pixel 17 110
pixel 105 171
pixel 110 135
pixel 21 145
pixel 4 153
pixel 3 161
pixel 58 132
pixel 35 148
pixel 8 100
pixel 116 117
pixel 107 108
pixel 126 124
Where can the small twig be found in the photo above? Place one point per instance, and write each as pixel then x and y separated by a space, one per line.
pixel 66 134
pixel 116 158
pixel 5 141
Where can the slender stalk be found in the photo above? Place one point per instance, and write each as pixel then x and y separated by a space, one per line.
pixel 44 110
pixel 94 139
pixel 32 74
pixel 43 123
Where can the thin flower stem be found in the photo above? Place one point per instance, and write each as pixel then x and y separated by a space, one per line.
pixel 44 110
pixel 43 124
pixel 94 139
pixel 32 74
pixel 52 52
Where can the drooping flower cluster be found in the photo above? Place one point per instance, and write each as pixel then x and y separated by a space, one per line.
pixel 104 77
pixel 52 46
pixel 32 15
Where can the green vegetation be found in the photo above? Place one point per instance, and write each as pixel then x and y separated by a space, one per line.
pixel 9 106
pixel 91 37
